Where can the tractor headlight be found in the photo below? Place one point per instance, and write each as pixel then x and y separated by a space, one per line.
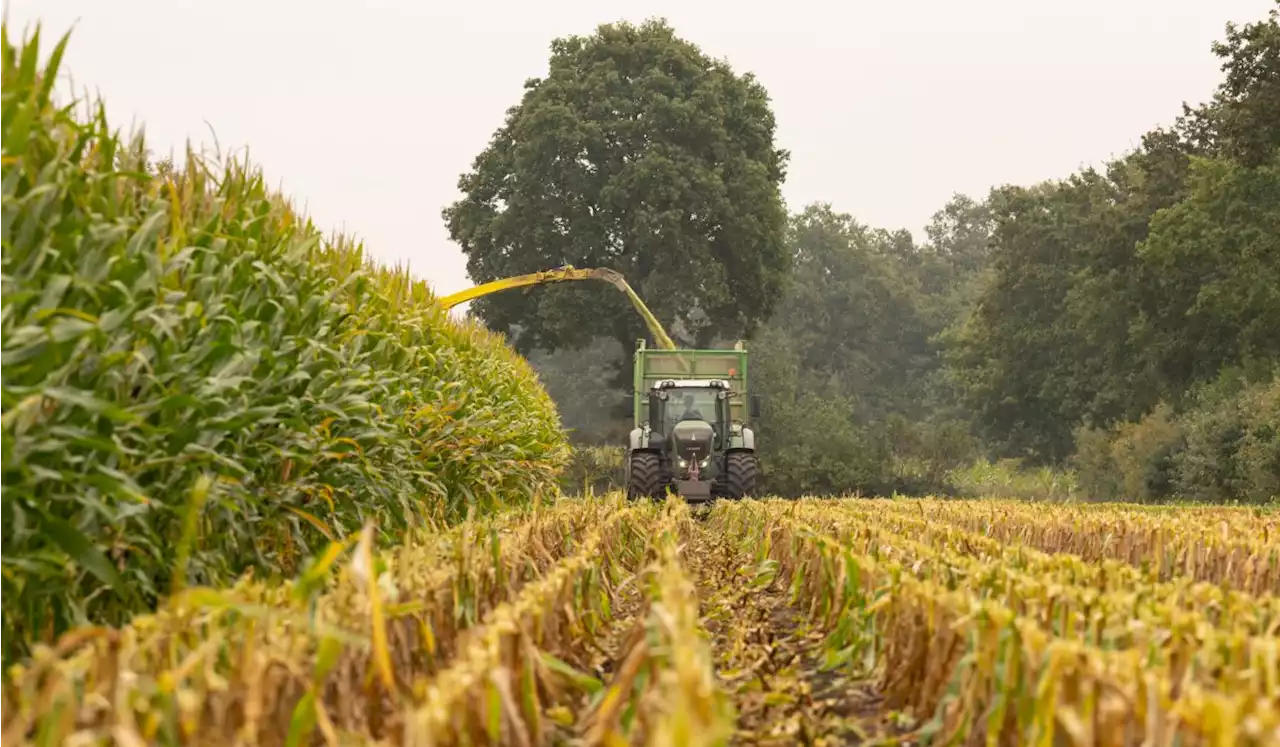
pixel 681 462
pixel 704 462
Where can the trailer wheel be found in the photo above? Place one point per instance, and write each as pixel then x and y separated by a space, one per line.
pixel 741 470
pixel 645 479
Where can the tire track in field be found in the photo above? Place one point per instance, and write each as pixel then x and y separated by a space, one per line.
pixel 770 662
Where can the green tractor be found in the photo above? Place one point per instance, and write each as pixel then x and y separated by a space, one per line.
pixel 691 437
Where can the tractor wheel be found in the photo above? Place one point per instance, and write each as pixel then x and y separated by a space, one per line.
pixel 646 477
pixel 740 474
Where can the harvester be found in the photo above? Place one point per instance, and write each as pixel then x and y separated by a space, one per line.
pixel 691 409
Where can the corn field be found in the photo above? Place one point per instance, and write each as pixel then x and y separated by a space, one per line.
pixel 260 491
pixel 198 384
pixel 601 622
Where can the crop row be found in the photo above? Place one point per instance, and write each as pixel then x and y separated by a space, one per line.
pixel 485 634
pixel 963 555
pixel 340 646
pixel 1239 547
pixel 664 690
pixel 582 621
pixel 985 654
pixel 198 384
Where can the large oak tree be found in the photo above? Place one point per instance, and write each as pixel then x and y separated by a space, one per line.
pixel 640 153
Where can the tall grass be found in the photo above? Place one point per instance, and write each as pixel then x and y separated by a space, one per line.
pixel 196 383
pixel 595 469
pixel 1007 478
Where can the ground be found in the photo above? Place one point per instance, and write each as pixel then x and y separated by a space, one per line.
pixel 772 665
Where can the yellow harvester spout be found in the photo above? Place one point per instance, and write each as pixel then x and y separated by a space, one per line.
pixel 559 275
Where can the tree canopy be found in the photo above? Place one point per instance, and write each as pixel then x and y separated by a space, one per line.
pixel 639 153
pixel 1123 320
pixel 1123 286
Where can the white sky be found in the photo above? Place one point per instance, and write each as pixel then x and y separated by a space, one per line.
pixel 367 112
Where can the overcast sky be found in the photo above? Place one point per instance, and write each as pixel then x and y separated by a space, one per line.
pixel 367 112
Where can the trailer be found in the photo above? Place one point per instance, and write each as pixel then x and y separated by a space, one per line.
pixel 692 434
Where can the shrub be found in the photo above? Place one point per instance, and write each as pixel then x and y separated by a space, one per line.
pixel 1132 461
pixel 1008 478
pixel 1206 469
pixel 814 448
pixel 599 469
pixel 1232 446
pixel 924 454
pixel 1100 478
pixel 1259 455
pixel 1224 446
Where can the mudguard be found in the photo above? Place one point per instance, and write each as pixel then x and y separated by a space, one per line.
pixel 742 438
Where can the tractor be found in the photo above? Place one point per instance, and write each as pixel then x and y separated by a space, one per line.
pixel 690 437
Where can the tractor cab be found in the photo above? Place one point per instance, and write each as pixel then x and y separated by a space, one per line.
pixel 691 440
pixel 692 417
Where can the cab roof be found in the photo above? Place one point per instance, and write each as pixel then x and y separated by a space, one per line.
pixel 691 384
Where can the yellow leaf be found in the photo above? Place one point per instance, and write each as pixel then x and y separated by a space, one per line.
pixel 313 521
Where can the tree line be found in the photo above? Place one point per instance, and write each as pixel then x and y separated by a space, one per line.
pixel 1122 321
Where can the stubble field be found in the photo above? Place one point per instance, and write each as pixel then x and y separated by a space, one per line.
pixel 757 622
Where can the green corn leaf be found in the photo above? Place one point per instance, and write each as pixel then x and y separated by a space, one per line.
pixel 81 549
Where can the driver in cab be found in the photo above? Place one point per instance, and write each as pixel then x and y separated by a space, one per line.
pixel 691 411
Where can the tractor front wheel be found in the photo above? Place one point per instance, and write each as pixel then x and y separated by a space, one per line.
pixel 645 479
pixel 741 470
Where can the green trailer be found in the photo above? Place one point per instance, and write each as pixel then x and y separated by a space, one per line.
pixel 692 434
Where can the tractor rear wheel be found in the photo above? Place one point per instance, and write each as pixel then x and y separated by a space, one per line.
pixel 646 478
pixel 741 469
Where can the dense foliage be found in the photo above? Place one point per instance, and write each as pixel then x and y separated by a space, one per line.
pixel 855 396
pixel 1123 322
pixel 1119 296
pixel 640 153
pixel 196 384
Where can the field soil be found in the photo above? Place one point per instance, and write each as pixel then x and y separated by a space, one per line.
pixel 768 657
pixel 770 660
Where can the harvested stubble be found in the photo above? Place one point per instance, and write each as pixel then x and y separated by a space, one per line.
pixel 259 663
pixel 498 688
pixel 487 642
pixel 665 690
pixel 1078 598
pixel 1200 632
pixel 980 673
pixel 769 660
pixel 1239 547
pixel 194 377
